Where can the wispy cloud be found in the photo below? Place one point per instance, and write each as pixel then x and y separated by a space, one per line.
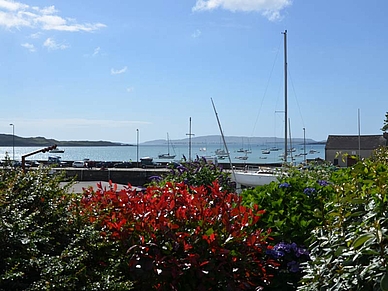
pixel 18 15
pixel 130 89
pixel 12 6
pixel 36 35
pixel 73 123
pixel 196 34
pixel 29 46
pixel 269 8
pixel 117 72
pixel 51 44
pixel 96 51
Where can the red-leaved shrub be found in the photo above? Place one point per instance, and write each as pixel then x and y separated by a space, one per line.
pixel 173 239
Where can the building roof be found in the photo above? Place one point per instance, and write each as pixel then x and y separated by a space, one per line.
pixel 353 142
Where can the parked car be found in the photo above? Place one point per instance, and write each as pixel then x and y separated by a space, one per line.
pixel 78 164
pixel 54 160
pixel 104 164
pixel 123 165
pixel 147 162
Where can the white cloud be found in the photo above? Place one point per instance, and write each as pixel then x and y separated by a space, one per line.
pixel 196 34
pixel 268 8
pixel 29 46
pixel 116 72
pixel 130 89
pixel 18 15
pixel 96 51
pixel 72 123
pixel 12 6
pixel 36 35
pixel 51 44
pixel 46 10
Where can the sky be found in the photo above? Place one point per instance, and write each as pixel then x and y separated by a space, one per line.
pixel 128 71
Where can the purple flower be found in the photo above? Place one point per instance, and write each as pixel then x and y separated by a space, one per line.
pixel 323 183
pixel 284 185
pixel 155 178
pixel 181 169
pixel 309 191
pixel 275 253
pixel 301 252
pixel 293 266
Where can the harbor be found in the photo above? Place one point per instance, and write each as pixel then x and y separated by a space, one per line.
pixel 253 153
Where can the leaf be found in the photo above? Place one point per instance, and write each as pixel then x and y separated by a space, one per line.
pixel 362 239
pixel 210 231
pixel 384 283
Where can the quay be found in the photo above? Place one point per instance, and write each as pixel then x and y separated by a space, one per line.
pixel 135 176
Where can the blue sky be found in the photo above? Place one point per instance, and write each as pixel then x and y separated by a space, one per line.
pixel 99 70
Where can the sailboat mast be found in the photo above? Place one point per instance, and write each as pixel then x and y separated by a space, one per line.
pixel 285 96
pixel 168 144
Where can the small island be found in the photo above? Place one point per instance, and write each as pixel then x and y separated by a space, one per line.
pixel 8 140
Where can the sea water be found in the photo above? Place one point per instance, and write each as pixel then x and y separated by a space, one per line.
pixel 254 154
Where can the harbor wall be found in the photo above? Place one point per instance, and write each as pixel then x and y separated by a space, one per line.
pixel 135 176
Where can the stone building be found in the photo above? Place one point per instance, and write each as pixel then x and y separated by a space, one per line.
pixel 341 150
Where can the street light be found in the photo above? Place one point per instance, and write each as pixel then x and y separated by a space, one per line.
pixel 304 145
pixel 13 141
pixel 137 148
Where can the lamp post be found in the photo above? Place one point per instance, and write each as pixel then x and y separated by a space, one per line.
pixel 13 141
pixel 304 145
pixel 190 135
pixel 137 148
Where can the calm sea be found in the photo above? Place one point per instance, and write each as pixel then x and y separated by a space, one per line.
pixel 130 153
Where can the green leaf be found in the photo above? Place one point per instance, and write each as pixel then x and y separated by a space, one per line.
pixel 209 231
pixel 384 283
pixel 362 239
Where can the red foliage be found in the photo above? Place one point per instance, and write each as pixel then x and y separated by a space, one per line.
pixel 176 240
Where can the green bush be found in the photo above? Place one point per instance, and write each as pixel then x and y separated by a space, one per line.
pixel 294 205
pixel 45 244
pixel 349 251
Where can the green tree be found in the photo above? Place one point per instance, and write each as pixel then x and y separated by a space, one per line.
pixel 385 127
pixel 45 243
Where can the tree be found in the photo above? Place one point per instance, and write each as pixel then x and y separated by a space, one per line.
pixel 46 244
pixel 385 127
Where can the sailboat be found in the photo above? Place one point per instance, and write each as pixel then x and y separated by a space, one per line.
pixel 168 155
pixel 267 175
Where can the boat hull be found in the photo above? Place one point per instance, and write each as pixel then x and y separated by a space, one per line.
pixel 254 178
pixel 56 151
pixel 166 156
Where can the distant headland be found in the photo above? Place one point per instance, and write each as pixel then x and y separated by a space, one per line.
pixel 10 140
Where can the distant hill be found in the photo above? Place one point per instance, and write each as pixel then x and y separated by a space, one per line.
pixel 236 140
pixel 7 140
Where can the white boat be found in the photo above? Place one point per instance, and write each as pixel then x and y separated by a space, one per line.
pixel 255 178
pixel 274 149
pixel 168 155
pixel 56 151
pixel 251 178
pixel 242 158
pixel 221 152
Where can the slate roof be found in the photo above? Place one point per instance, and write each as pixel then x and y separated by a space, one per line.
pixel 350 142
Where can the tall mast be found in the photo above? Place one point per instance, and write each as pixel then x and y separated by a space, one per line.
pixel 285 96
pixel 190 135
